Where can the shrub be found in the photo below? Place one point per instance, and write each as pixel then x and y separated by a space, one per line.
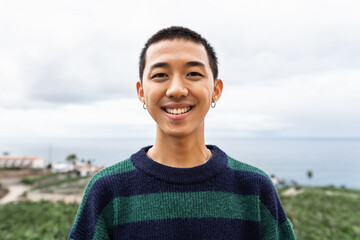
pixel 36 220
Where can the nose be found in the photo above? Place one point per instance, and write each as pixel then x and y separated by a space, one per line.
pixel 177 88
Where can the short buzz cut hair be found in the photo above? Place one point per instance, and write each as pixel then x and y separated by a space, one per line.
pixel 176 32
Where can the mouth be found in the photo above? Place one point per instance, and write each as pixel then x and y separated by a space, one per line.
pixel 177 111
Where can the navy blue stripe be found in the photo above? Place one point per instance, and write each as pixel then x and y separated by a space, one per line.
pixel 200 173
pixel 136 183
pixel 199 228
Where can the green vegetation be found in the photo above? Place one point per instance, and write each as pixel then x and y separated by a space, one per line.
pixel 33 180
pixel 324 213
pixel 72 158
pixel 10 168
pixel 57 183
pixel 36 220
pixel 342 189
pixel 52 180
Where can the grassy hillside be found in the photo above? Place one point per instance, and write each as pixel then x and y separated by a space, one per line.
pixel 325 213
pixel 317 213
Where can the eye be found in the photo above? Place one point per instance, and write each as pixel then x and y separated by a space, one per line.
pixel 159 75
pixel 194 74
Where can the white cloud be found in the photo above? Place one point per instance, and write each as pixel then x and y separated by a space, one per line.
pixel 289 67
pixel 306 105
pixel 113 118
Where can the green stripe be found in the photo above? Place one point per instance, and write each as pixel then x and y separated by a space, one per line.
pixel 120 167
pixel 287 231
pixel 240 166
pixel 269 227
pixel 178 205
pixel 271 230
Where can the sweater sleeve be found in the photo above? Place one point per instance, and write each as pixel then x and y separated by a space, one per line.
pixel 274 222
pixel 89 222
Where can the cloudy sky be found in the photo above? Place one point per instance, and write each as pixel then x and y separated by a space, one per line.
pixel 290 68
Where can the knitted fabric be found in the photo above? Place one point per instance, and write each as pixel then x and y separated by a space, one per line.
pixel 139 198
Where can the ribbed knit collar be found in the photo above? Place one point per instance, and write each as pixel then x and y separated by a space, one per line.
pixel 181 175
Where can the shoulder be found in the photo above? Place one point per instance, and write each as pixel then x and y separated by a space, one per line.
pixel 100 191
pixel 272 213
pixel 116 169
pixel 251 176
pixel 102 184
pixel 270 204
pixel 120 167
pixel 246 168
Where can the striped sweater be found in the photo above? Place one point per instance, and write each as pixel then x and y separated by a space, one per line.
pixel 139 198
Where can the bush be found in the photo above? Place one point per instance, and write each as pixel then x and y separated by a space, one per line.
pixel 10 168
pixel 36 220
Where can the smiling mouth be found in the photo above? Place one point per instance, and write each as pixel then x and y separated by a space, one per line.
pixel 177 111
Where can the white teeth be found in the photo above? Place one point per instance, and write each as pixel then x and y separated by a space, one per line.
pixel 177 111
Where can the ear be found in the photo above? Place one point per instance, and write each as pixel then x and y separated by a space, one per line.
pixel 140 91
pixel 218 88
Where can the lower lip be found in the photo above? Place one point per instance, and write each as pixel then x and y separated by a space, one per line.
pixel 178 116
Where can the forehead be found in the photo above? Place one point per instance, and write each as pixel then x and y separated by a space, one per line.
pixel 176 50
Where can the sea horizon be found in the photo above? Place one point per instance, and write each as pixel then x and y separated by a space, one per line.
pixel 333 161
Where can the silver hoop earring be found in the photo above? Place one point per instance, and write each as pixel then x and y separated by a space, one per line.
pixel 213 104
pixel 144 106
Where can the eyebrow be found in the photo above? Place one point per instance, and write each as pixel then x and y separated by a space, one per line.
pixel 195 64
pixel 165 64
pixel 159 65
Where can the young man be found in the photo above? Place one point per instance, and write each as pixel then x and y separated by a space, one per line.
pixel 179 188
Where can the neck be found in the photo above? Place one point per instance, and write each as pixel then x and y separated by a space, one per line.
pixel 181 152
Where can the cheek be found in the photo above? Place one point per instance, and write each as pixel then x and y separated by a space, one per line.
pixel 204 98
pixel 150 94
pixel 208 88
pixel 206 93
pixel 152 99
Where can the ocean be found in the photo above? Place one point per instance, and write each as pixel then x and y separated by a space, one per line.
pixel 332 161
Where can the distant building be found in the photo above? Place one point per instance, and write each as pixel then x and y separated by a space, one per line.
pixel 62 167
pixel 22 162
pixel 83 169
pixel 86 169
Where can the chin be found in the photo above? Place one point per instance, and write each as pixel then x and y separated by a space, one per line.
pixel 175 132
pixel 178 132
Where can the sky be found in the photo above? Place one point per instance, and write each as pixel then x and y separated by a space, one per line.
pixel 291 69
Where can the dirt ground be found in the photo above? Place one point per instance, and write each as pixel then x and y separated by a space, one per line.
pixel 6 174
pixel 3 192
pixel 17 191
pixel 14 194
pixel 53 197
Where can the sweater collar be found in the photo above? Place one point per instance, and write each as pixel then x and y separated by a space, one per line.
pixel 181 175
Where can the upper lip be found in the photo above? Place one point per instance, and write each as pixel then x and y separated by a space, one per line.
pixel 177 105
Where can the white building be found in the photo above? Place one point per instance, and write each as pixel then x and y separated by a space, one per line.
pixel 62 167
pixel 86 169
pixel 22 162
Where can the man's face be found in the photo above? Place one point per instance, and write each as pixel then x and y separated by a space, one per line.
pixel 178 86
